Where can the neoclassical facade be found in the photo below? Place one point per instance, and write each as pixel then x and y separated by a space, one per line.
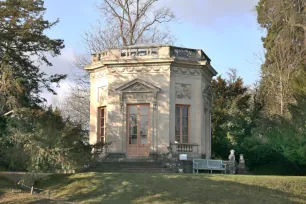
pixel 147 98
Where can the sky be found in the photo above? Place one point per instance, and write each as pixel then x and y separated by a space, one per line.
pixel 226 30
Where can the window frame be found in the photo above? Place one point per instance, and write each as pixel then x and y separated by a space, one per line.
pixel 181 123
pixel 102 138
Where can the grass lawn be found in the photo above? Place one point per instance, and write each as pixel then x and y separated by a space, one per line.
pixel 119 188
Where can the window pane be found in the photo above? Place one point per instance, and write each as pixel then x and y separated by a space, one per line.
pixel 144 110
pixel 144 123
pixel 133 120
pixel 177 130
pixel 102 139
pixel 102 112
pixel 177 121
pixel 102 122
pixel 185 130
pixel 132 109
pixel 185 139
pixel 177 111
pixel 133 130
pixel 177 139
pixel 102 131
pixel 185 122
pixel 185 111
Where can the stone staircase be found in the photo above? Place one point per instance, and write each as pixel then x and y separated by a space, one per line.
pixel 117 162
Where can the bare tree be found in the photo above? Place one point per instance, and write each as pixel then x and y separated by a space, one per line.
pixel 129 22
pixel 125 22
pixel 279 74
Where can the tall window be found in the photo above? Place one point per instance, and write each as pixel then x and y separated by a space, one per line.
pixel 102 123
pixel 181 123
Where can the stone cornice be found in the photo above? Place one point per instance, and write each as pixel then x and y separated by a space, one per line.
pixel 152 62
pixel 199 68
pixel 138 69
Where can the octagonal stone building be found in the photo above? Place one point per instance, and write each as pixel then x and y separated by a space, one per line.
pixel 147 98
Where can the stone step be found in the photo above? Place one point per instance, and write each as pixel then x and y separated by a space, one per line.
pixel 129 164
pixel 115 155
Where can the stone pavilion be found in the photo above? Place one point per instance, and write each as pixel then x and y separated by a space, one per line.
pixel 147 98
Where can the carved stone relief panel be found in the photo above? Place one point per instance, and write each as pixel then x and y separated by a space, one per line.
pixel 138 97
pixel 137 87
pixel 139 69
pixel 102 94
pixel 183 91
pixel 99 74
pixel 189 71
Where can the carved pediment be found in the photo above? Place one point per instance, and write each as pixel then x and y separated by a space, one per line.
pixel 138 85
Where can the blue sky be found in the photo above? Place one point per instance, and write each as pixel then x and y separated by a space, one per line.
pixel 226 30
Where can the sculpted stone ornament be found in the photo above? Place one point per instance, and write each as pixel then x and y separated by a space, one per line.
pixel 137 96
pixel 96 75
pixel 232 162
pixel 190 71
pixel 183 91
pixel 102 94
pixel 241 165
pixel 138 87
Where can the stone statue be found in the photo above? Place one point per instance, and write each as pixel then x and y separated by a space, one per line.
pixel 241 165
pixel 241 159
pixel 231 157
pixel 232 162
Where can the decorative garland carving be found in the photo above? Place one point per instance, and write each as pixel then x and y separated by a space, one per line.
pixel 138 69
pixel 179 70
pixel 183 91
pixel 190 71
pixel 96 75
pixel 137 87
pixel 138 96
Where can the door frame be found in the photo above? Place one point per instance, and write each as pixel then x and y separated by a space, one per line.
pixel 138 129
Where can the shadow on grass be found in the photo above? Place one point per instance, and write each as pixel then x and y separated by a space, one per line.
pixel 163 188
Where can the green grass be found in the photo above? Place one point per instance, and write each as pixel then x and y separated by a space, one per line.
pixel 10 194
pixel 174 188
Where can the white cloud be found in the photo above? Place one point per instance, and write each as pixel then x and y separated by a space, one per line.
pixel 62 64
pixel 207 12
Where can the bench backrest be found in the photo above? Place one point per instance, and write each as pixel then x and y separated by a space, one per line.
pixel 207 163
pixel 200 163
pixel 215 163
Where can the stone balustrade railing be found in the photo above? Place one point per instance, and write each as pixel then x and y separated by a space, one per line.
pixel 148 52
pixel 177 147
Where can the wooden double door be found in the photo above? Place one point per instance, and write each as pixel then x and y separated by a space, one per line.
pixel 138 137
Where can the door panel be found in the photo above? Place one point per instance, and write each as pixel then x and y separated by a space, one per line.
pixel 138 129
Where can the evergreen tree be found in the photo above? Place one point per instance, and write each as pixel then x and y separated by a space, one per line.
pixel 285 44
pixel 23 47
pixel 231 115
